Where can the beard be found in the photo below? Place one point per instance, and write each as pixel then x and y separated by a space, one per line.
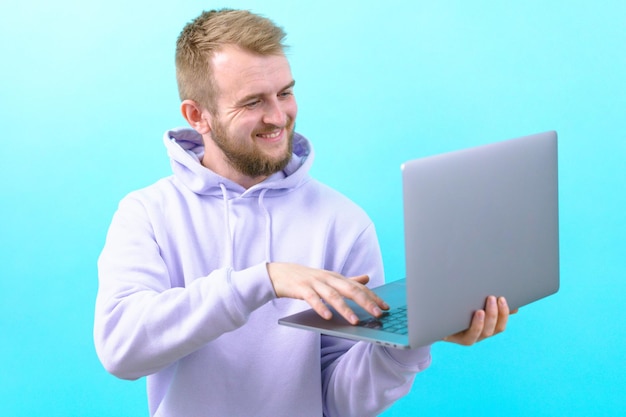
pixel 248 158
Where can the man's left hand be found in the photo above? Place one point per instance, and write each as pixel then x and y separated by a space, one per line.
pixel 485 323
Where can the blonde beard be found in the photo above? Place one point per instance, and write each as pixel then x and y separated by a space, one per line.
pixel 250 160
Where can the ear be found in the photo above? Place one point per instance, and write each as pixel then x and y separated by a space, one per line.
pixel 197 117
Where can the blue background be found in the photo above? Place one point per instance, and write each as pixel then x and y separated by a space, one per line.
pixel 88 89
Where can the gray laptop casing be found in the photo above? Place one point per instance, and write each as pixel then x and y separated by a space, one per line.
pixel 477 222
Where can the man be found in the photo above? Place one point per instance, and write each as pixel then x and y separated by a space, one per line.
pixel 198 268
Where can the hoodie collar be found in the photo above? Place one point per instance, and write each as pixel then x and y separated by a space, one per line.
pixel 186 149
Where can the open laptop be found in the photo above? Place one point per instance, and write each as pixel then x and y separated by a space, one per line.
pixel 477 222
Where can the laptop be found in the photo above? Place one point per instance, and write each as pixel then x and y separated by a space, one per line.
pixel 477 222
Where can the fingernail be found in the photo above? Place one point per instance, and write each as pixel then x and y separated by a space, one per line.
pixel 354 319
pixel 377 311
pixel 481 315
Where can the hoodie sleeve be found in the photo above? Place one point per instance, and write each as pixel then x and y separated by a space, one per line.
pixel 142 324
pixel 363 379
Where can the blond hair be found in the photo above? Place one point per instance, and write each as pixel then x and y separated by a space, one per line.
pixel 201 38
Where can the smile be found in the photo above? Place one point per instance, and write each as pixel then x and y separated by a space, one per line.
pixel 270 135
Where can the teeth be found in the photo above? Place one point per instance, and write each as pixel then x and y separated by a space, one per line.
pixel 270 135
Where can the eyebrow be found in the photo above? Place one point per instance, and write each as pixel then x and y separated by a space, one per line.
pixel 290 85
pixel 253 96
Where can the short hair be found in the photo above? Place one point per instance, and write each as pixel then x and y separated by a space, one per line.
pixel 201 38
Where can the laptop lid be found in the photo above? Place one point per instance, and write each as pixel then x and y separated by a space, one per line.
pixel 479 221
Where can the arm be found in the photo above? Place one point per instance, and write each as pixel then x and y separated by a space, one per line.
pixel 143 322
pixel 363 379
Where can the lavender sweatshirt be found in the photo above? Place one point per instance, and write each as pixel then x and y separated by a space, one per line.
pixel 185 300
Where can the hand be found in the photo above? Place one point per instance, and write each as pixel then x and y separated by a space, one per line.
pixel 318 287
pixel 485 323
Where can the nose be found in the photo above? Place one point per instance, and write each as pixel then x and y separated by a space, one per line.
pixel 275 114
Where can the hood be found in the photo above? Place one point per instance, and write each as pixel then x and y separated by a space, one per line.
pixel 186 149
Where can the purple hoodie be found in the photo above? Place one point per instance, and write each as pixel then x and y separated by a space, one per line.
pixel 185 299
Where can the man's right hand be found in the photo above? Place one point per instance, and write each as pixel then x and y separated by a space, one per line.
pixel 319 287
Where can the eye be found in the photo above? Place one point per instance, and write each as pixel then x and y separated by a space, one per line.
pixel 252 104
pixel 286 93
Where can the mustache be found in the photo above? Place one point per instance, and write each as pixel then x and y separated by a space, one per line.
pixel 269 128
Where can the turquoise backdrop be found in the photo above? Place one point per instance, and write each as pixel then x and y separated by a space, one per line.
pixel 87 89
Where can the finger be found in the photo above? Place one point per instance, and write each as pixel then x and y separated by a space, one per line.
pixel 321 295
pixel 491 317
pixel 472 335
pixel 363 296
pixel 335 299
pixel 361 279
pixel 334 290
pixel 318 305
pixel 364 279
pixel 503 315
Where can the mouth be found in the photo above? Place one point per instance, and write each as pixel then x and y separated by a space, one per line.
pixel 273 136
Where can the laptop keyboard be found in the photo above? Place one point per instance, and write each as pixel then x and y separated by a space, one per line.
pixel 392 321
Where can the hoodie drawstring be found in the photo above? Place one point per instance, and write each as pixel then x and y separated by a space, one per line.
pixel 268 226
pixel 229 238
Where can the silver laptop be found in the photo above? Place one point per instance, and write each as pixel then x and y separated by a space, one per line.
pixel 477 222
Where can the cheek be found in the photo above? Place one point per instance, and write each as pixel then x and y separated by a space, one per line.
pixel 244 126
pixel 292 109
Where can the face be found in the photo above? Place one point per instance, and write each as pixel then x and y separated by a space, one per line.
pixel 252 129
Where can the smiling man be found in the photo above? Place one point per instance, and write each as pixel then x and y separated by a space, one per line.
pixel 198 267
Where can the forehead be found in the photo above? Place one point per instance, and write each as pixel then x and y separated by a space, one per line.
pixel 240 73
